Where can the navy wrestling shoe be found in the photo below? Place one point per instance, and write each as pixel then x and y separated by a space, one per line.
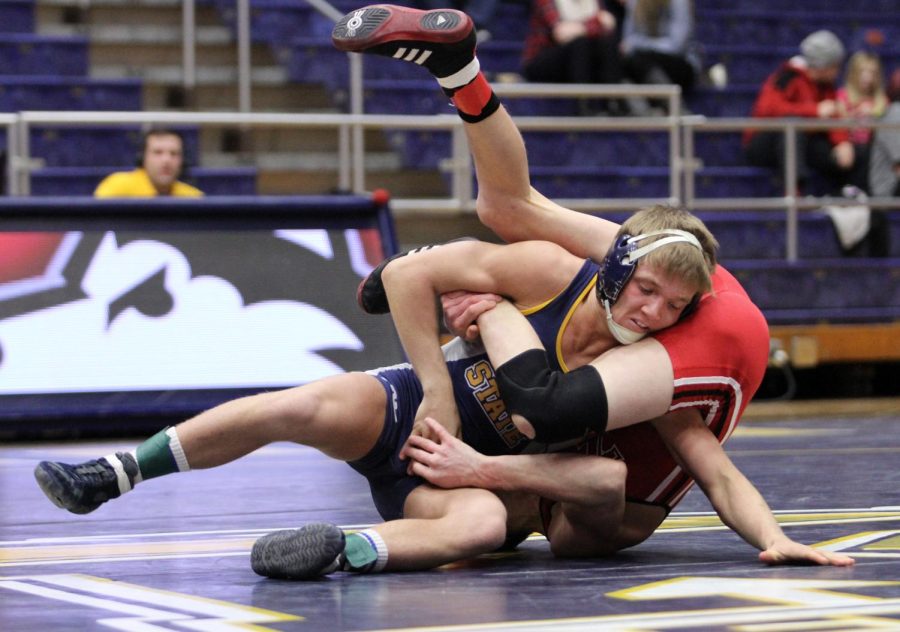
pixel 305 553
pixel 442 40
pixel 84 487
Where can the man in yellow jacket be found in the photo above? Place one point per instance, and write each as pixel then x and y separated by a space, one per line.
pixel 162 161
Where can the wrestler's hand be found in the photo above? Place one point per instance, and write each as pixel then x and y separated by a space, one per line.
pixel 788 551
pixel 462 309
pixel 443 460
pixel 436 407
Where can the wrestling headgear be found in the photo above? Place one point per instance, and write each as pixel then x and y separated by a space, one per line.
pixel 618 265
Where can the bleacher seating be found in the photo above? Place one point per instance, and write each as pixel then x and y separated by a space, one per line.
pixel 837 290
pixel 68 181
pixel 29 54
pixel 749 37
pixel 41 72
pixel 762 235
pixel 17 16
pixel 99 145
pixel 18 93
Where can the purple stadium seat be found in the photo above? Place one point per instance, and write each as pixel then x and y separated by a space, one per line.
pixel 68 93
pixel 27 54
pixel 17 16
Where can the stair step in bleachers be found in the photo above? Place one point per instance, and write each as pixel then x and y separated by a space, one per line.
pixel 68 93
pixel 100 146
pixel 17 16
pixel 83 180
pixel 844 290
pixel 27 54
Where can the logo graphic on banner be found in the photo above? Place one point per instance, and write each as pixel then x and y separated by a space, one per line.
pixel 128 311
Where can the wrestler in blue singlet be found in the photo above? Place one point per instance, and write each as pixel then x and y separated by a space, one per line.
pixel 486 425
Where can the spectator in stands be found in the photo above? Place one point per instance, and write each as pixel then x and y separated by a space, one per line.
pixel 657 42
pixel 863 98
pixel 160 165
pixel 804 86
pixel 481 11
pixel 863 95
pixel 884 167
pixel 571 41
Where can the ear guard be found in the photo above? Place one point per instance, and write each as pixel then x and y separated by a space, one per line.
pixel 620 261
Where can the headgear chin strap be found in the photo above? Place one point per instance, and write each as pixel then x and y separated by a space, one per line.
pixel 618 265
pixel 624 335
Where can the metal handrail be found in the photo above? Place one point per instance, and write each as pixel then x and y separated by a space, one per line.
pixel 683 160
pixel 791 202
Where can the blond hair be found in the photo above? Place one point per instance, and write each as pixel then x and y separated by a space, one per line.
pixel 681 259
pixel 854 68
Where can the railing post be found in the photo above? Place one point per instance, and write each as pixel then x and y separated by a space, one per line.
pixel 462 167
pixel 12 159
pixel 244 68
pixel 188 47
pixel 675 160
pixel 790 191
pixel 356 108
pixel 689 165
pixel 22 161
pixel 344 177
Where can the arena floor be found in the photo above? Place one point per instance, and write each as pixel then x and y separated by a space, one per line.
pixel 173 555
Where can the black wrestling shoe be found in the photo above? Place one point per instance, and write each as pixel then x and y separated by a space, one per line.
pixel 305 553
pixel 442 40
pixel 370 294
pixel 84 487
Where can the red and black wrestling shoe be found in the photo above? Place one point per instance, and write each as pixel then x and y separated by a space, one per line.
pixel 442 40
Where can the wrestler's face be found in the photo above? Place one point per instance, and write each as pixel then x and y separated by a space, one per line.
pixel 651 300
pixel 162 161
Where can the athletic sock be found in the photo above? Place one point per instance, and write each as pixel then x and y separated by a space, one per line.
pixel 470 92
pixel 161 454
pixel 364 552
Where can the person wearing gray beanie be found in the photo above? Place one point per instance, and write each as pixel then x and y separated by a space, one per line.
pixel 822 49
pixel 805 86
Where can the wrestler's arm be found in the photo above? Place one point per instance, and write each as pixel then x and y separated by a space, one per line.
pixel 590 489
pixel 737 502
pixel 528 272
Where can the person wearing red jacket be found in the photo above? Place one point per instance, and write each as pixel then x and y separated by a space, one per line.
pixel 804 86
